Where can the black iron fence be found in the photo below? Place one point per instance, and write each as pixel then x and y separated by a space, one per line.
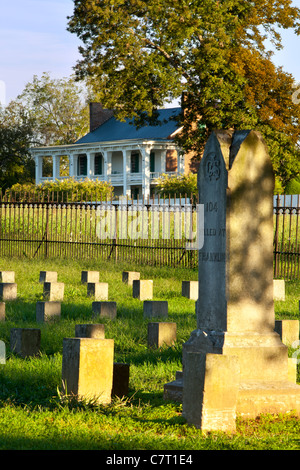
pixel 156 232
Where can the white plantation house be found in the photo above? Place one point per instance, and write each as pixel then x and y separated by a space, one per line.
pixel 128 157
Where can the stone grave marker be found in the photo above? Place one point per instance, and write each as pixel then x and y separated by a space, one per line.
pixel 288 331
pixel 54 291
pixel 48 311
pixel 161 333
pixel 48 276
pixel 97 290
pixel 142 289
pixel 7 276
pixel 279 289
pixel 129 276
pixel 25 341
pixel 89 276
pixel 155 308
pixel 120 379
pixel 189 289
pixel 87 368
pixel 2 311
pixel 235 337
pixel 8 291
pixel 89 330
pixel 2 352
pixel 104 309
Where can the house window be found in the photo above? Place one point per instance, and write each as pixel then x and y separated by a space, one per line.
pixel 152 162
pixel 82 165
pixel 98 164
pixel 135 157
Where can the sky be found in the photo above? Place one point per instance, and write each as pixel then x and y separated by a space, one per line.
pixel 34 39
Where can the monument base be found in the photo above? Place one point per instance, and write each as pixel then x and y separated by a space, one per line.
pixel 267 397
pixel 266 378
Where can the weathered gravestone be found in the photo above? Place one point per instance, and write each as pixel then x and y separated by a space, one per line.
pixel 88 330
pixel 97 290
pixel 48 276
pixel 234 362
pixel 2 311
pixel 161 333
pixel 8 291
pixel 129 276
pixel 87 368
pixel 25 341
pixel 89 276
pixel 53 291
pixel 48 311
pixel 7 276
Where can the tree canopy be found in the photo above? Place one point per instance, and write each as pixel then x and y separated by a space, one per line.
pixel 58 107
pixel 139 55
pixel 49 111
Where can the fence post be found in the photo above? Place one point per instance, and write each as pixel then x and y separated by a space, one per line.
pixel 276 236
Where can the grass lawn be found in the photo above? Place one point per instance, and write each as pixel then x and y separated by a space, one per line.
pixel 35 416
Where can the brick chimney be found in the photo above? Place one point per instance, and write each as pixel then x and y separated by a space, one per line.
pixel 98 115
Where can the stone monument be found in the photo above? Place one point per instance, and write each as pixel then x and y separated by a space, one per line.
pixel 234 362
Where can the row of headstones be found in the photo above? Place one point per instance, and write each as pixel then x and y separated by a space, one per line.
pixel 88 368
pixel 141 289
pixel 54 290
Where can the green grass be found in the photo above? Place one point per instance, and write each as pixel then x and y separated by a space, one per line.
pixel 34 415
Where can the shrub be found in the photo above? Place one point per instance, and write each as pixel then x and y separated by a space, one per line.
pixel 65 190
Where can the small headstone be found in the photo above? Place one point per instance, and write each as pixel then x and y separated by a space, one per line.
pixel 120 380
pixel 89 276
pixel 8 291
pixel 2 311
pixel 104 309
pixel 155 308
pixel 25 341
pixel 54 291
pixel 129 276
pixel 7 276
pixel 2 352
pixel 97 290
pixel 48 311
pixel 142 289
pixel 189 289
pixel 288 331
pixel 161 333
pixel 279 289
pixel 89 330
pixel 87 368
pixel 48 276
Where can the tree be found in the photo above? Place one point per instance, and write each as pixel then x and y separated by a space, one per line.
pixel 58 107
pixel 138 55
pixel 16 130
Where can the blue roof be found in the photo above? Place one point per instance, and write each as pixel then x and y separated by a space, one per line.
pixel 114 130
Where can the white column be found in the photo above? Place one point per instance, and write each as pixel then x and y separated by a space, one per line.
pixel 180 161
pixel 92 166
pixel 163 158
pixel 90 157
pixel 108 164
pixel 126 172
pixel 38 168
pixel 104 153
pixel 146 172
pixel 71 166
pixel 55 167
